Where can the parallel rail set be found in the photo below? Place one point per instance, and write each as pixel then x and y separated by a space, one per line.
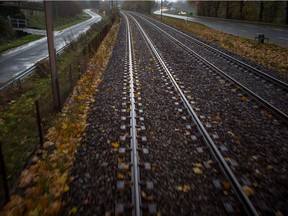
pixel 135 183
pixel 131 82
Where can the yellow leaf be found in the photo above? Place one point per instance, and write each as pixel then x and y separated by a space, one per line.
pixel 244 98
pixel 66 188
pixel 197 165
pixel 179 188
pixel 218 117
pixel 120 160
pixel 197 170
pixel 115 145
pixel 120 176
pixel 64 126
pixel 73 211
pixel 248 190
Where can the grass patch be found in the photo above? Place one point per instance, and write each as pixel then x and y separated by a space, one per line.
pixel 38 21
pixel 19 42
pixel 270 55
pixel 66 23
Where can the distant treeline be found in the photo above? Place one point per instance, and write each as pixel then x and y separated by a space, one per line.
pixel 263 11
pixel 139 6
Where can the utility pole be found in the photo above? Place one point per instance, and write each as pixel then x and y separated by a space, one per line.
pixel 161 8
pixel 52 55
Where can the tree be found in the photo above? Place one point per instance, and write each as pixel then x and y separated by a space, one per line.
pixel 241 8
pixel 261 11
pixel 228 7
pixel 216 5
pixel 286 19
pixel 139 6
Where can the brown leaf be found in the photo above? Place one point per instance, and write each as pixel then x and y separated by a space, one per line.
pixel 248 190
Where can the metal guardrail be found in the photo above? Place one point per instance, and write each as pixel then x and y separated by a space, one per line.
pixel 23 74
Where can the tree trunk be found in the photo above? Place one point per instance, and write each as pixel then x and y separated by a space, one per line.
pixel 261 11
pixel 227 10
pixel 286 22
pixel 216 7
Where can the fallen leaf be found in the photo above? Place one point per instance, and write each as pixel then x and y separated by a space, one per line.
pixel 66 188
pixel 73 211
pixel 218 118
pixel 231 134
pixel 244 98
pixel 186 188
pixel 197 165
pixel 226 185
pixel 248 190
pixel 197 170
pixel 115 145
pixel 120 176
pixel 269 167
pixel 279 213
pixel 64 126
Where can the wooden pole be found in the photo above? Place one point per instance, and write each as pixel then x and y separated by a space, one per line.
pixel 52 55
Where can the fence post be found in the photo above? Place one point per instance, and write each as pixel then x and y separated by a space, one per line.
pixel 39 123
pixel 70 77
pixel 4 176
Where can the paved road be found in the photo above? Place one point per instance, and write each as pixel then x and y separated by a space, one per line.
pixel 276 35
pixel 20 59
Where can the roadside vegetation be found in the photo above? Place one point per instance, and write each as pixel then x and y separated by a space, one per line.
pixel 273 56
pixel 65 15
pixel 38 21
pixel 18 124
pixel 19 42
pixel 43 183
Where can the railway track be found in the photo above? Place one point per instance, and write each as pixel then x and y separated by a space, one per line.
pixel 247 205
pixel 132 105
pixel 273 98
pixel 242 64
pixel 169 156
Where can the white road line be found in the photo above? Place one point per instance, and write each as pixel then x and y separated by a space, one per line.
pixel 283 38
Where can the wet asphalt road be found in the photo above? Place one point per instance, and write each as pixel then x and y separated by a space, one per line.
pixel 20 59
pixel 276 35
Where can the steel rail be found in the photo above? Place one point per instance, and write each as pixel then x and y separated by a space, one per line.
pixel 248 206
pixel 136 198
pixel 281 115
pixel 251 68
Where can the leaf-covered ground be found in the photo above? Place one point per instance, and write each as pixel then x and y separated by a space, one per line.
pixel 270 55
pixel 46 179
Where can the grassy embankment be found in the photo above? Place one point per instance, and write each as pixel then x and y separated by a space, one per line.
pixel 43 183
pixel 18 128
pixel 270 55
pixel 38 22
